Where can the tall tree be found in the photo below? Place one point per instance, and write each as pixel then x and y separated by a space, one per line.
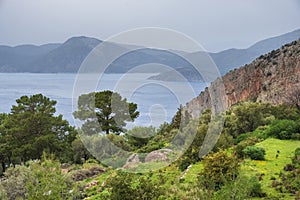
pixel 32 128
pixel 4 154
pixel 105 111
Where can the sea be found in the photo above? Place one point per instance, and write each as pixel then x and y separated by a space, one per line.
pixel 157 101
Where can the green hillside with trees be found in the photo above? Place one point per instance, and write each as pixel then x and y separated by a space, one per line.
pixel 257 155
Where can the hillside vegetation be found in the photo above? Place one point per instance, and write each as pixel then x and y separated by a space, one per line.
pixel 256 154
pixel 229 171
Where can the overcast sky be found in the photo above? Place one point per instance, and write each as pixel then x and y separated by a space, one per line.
pixel 216 24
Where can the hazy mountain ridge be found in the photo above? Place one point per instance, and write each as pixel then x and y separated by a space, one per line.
pixel 15 59
pixel 67 57
pixel 234 58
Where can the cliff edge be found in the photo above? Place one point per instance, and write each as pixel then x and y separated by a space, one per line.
pixel 269 78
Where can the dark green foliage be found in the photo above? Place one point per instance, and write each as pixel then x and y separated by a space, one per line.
pixel 255 153
pixel 259 134
pixel 284 129
pixel 246 117
pixel 239 148
pixel 260 120
pixel 32 128
pixel 4 154
pixel 285 112
pixel 105 111
pixel 80 153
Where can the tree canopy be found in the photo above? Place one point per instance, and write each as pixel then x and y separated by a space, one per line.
pixel 105 111
pixel 31 128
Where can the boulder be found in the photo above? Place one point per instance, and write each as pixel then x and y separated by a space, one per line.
pixel 133 160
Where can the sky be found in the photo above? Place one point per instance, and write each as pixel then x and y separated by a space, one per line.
pixel 215 24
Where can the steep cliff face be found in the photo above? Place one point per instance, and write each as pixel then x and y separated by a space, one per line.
pixel 269 79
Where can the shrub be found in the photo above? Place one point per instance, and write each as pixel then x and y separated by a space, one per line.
pixel 242 145
pixel 255 153
pixel 125 186
pixel 49 182
pixel 283 129
pixel 218 168
pixel 38 180
pixel 255 187
pixel 242 187
pixel 14 187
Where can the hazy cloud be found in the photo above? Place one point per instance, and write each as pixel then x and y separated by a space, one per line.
pixel 215 24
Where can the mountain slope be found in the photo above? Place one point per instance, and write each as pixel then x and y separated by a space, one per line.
pixel 269 78
pixel 65 58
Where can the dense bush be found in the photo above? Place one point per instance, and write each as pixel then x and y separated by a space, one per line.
pixel 255 153
pixel 239 148
pixel 246 117
pixel 283 129
pixel 80 153
pixel 218 168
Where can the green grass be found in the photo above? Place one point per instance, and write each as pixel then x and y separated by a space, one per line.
pixel 272 166
pixel 192 173
pixel 147 167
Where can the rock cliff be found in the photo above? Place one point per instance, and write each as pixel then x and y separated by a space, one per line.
pixel 269 78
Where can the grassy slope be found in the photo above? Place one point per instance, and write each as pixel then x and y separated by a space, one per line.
pixel 271 167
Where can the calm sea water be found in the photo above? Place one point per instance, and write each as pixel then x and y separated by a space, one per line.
pixel 157 100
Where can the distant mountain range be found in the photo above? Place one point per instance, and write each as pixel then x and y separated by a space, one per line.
pixel 67 57
pixel 235 58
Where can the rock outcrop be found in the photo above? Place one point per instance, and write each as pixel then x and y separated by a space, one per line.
pixel 132 161
pixel 158 155
pixel 268 79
